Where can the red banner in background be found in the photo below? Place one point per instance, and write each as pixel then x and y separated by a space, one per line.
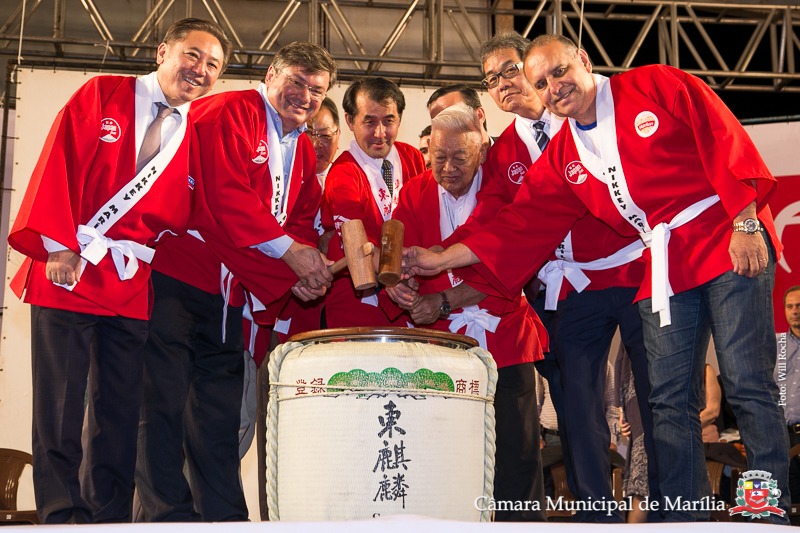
pixel 785 206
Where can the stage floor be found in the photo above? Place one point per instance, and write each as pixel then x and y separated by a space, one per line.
pixel 406 524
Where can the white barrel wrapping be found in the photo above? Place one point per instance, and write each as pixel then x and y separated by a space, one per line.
pixel 364 428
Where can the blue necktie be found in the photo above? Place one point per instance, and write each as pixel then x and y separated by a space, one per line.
pixel 541 137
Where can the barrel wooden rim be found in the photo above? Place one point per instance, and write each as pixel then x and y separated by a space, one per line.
pixel 429 336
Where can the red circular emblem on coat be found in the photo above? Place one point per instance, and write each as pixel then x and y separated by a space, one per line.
pixel 109 130
pixel 262 152
pixel 516 172
pixel 576 173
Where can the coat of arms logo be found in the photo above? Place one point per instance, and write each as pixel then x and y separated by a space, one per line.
pixel 757 495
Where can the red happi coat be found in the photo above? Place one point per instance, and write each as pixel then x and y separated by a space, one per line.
pixel 516 339
pixel 348 195
pixel 694 149
pixel 508 160
pixel 230 163
pixel 77 173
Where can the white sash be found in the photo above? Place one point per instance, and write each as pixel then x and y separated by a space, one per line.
pixel 225 284
pixel 133 191
pixel 477 321
pixel 247 315
pixel 281 184
pixel 380 192
pixel 282 326
pixel 252 305
pixel 608 168
pixel 91 236
pixel 94 246
pixel 554 272
pixel 658 241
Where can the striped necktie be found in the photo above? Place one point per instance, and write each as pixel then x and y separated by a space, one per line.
pixel 541 137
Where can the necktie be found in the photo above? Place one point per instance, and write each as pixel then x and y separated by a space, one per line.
pixel 151 144
pixel 386 169
pixel 541 137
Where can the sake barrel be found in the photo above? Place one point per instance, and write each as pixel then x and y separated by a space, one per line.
pixel 366 422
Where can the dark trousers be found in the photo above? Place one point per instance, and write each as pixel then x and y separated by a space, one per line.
pixel 89 481
pixel 794 468
pixel 549 369
pixel 581 336
pixel 518 465
pixel 191 408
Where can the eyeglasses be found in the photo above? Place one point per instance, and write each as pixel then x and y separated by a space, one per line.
pixel 322 138
pixel 511 71
pixel 317 93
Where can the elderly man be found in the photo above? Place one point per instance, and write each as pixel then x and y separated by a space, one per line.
pixel 591 309
pixel 255 169
pixel 364 183
pixel 111 178
pixel 431 207
pixel 642 153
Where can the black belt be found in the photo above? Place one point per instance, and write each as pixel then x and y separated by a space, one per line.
pixel 554 432
pixel 793 428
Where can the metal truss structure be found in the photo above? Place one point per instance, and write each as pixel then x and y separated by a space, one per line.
pixel 736 44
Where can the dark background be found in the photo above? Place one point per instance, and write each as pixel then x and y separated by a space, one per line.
pixel 730 40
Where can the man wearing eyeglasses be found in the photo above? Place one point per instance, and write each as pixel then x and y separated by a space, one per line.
pixel 591 309
pixel 364 183
pixel 300 316
pixel 257 194
pixel 323 129
pixel 643 152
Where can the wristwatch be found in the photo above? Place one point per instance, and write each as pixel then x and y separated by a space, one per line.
pixel 748 225
pixel 444 309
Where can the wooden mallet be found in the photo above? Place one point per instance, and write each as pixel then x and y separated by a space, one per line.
pixel 389 269
pixel 357 256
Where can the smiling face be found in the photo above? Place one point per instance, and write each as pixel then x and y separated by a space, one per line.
pixel 374 126
pixel 295 93
pixel 325 138
pixel 513 95
pixel 188 68
pixel 455 159
pixel 563 80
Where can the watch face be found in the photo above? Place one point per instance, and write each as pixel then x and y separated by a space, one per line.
pixel 751 225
